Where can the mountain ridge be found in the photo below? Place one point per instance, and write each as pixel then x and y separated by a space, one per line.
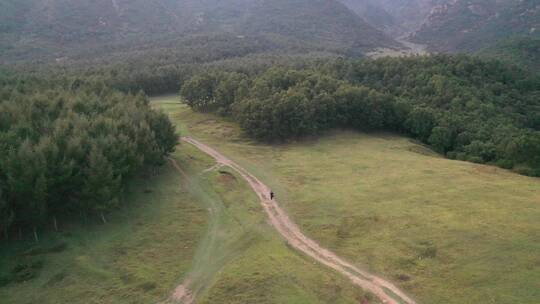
pixel 471 25
pixel 57 28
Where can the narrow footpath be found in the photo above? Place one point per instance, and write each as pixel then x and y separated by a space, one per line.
pixel 387 292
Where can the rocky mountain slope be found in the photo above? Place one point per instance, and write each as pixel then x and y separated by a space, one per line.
pixel 396 17
pixel 471 25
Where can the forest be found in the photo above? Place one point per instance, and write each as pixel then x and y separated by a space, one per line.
pixel 466 108
pixel 70 136
pixel 86 127
pixel 522 51
pixel 68 146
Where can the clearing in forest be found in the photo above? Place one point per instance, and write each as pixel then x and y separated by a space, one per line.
pixel 446 231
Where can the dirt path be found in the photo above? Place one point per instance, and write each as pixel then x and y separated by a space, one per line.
pixel 384 290
pixel 182 293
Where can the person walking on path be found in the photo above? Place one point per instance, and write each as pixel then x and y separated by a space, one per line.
pixel 272 195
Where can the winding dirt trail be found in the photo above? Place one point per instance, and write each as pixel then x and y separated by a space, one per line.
pixel 384 290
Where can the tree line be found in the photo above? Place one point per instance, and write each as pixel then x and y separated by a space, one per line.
pixel 68 147
pixel 466 108
pixel 69 91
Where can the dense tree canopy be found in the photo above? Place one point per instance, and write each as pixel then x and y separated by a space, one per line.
pixel 69 143
pixel 464 107
pixel 69 147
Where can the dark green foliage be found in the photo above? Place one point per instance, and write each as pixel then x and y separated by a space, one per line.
pixel 101 187
pixel 420 123
pixel 200 92
pixel 6 214
pixel 442 138
pixel 165 134
pixel 523 51
pixel 527 151
pixel 464 107
pixel 67 147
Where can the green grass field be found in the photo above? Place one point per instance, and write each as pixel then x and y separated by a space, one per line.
pixel 207 227
pixel 137 257
pixel 445 231
pixel 242 259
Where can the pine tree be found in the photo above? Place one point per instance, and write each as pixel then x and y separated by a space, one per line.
pixel 27 185
pixel 101 188
pixel 164 131
pixel 6 215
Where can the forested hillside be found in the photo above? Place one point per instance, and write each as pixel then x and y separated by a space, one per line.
pixel 67 147
pixel 501 29
pixel 470 25
pixel 396 17
pixel 523 51
pixel 375 14
pixel 60 29
pixel 465 108
pixel 317 22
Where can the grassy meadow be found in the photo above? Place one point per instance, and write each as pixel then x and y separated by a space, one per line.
pixel 241 259
pixel 445 231
pixel 137 257
pixel 204 226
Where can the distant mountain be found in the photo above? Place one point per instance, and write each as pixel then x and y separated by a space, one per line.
pixel 395 17
pixel 318 22
pixel 57 28
pixel 471 25
pixel 375 14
